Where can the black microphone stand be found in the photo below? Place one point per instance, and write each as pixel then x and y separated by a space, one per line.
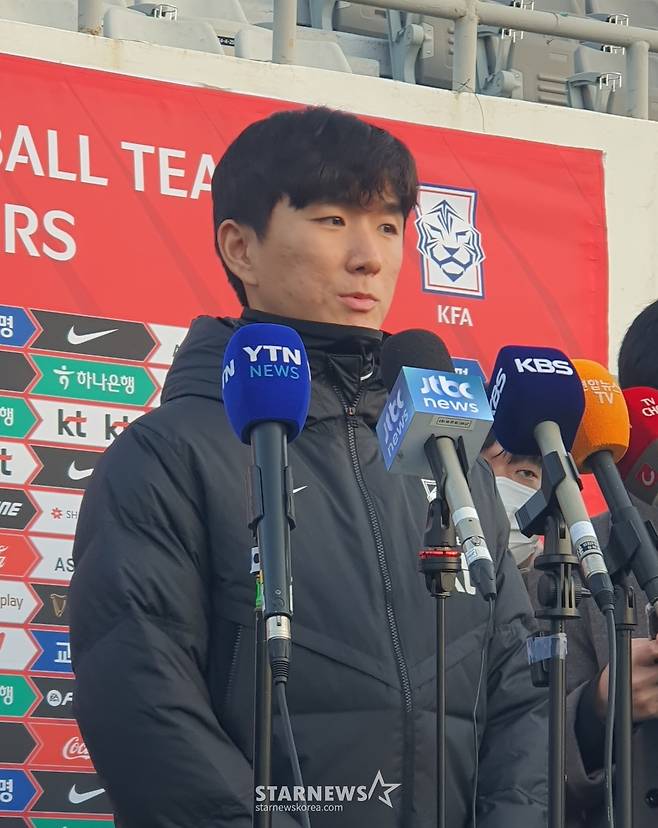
pixel 619 556
pixel 262 708
pixel 440 561
pixel 558 593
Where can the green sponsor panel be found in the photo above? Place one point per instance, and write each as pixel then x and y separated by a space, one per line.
pixel 16 417
pixel 106 382
pixel 16 696
pixel 71 822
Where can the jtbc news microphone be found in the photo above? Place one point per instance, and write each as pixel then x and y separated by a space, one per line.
pixel 266 386
pixel 639 466
pixel 602 441
pixel 538 403
pixel 433 425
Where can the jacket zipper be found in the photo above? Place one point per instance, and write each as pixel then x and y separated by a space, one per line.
pixel 403 672
pixel 233 667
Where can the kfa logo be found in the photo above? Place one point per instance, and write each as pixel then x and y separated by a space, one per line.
pixel 540 365
pixel 442 386
pixel 274 361
pixel 449 242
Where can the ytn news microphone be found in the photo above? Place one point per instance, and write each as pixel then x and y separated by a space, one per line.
pixel 266 387
pixel 601 442
pixel 538 402
pixel 433 425
pixel 639 466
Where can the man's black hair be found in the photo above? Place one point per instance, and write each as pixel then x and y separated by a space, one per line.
pixel 509 457
pixel 309 155
pixel 638 355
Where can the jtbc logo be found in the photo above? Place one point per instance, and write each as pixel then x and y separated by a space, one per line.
pixel 393 411
pixel 440 385
pixel 75 748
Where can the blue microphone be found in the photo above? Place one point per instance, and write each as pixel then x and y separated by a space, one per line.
pixel 433 424
pixel 266 388
pixel 538 401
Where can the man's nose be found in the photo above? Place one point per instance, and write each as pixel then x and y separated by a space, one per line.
pixel 364 256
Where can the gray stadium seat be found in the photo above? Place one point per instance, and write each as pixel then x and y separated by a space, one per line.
pixel 59 14
pixel 643 13
pixel 208 10
pixel 534 67
pixel 255 43
pixel 600 82
pixel 127 24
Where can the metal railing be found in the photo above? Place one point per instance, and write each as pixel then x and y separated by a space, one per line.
pixel 469 14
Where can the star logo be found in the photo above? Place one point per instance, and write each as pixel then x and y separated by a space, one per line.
pixel 56 513
pixel 388 789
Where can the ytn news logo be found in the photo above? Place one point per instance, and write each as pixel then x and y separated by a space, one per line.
pixel 279 361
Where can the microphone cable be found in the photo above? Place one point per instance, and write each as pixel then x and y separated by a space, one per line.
pixel 483 661
pixel 610 714
pixel 280 691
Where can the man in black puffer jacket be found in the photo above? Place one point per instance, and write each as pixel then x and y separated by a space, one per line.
pixel 162 618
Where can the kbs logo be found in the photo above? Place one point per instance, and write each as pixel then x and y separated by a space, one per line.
pixel 537 365
pixel 497 389
pixel 449 242
pixel 280 362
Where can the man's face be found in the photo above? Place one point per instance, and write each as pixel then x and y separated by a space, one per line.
pixel 326 262
pixel 526 471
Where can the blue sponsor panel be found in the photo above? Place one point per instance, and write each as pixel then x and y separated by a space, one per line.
pixel 469 368
pixel 16 327
pixel 16 790
pixel 56 655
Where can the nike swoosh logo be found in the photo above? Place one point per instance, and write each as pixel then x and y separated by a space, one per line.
pixel 79 339
pixel 78 474
pixel 300 489
pixel 78 798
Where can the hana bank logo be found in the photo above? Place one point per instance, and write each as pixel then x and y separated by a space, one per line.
pixel 449 242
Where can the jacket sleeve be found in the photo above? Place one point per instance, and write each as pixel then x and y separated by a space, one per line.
pixel 140 608
pixel 512 786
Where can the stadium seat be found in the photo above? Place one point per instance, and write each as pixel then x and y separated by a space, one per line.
pixel 127 24
pixel 600 82
pixel 532 67
pixel 59 14
pixel 643 13
pixel 208 10
pixel 255 43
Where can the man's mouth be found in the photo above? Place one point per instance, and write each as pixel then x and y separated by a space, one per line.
pixel 360 302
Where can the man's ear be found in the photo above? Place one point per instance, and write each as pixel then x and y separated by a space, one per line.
pixel 237 244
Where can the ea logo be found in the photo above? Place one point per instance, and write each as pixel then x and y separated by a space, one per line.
pixel 445 387
pixel 497 390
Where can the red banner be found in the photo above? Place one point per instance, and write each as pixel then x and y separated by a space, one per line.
pixel 106 254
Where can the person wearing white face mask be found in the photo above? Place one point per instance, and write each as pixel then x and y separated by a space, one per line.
pixel 518 477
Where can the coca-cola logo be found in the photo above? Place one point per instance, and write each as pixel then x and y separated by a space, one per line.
pixel 75 748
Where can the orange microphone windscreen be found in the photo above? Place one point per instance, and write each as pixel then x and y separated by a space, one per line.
pixel 605 425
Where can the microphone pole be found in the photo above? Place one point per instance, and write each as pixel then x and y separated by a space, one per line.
pixel 558 594
pixel 440 561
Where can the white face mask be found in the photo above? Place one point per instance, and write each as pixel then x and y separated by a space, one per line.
pixel 514 495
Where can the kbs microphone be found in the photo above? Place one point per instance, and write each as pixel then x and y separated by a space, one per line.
pixel 602 441
pixel 538 402
pixel 266 386
pixel 433 425
pixel 639 466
